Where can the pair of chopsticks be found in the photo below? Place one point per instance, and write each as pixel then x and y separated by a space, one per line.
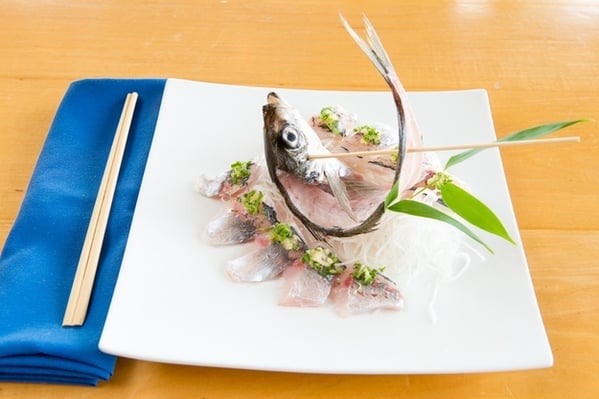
pixel 447 147
pixel 83 282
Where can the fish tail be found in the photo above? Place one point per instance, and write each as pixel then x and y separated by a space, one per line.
pixel 375 51
pixel 372 47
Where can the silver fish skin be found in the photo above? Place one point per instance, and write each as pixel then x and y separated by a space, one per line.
pixel 237 226
pixel 261 264
pixel 230 229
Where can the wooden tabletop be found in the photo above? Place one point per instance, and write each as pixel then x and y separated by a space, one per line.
pixel 538 60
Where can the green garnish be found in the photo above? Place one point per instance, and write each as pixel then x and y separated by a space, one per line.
pixel 473 210
pixel 283 234
pixel 240 172
pixel 330 119
pixel 364 274
pixel 324 261
pixel 369 134
pixel 461 202
pixel 252 201
pixel 438 180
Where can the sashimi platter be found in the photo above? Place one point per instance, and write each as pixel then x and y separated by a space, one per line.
pixel 326 231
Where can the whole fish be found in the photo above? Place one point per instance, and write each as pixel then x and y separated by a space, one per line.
pixel 324 194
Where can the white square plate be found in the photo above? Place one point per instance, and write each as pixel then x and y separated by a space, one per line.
pixel 173 302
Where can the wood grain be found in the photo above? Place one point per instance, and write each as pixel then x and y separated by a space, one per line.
pixel 537 60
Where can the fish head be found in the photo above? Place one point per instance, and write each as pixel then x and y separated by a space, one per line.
pixel 288 139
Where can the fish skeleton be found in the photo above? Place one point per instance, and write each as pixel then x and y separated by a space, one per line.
pixel 289 139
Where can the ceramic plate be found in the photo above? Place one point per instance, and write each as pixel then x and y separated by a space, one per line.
pixel 174 303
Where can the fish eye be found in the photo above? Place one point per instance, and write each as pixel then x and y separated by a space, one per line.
pixel 290 138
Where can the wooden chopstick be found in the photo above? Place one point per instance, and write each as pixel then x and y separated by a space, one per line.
pixel 447 147
pixel 83 282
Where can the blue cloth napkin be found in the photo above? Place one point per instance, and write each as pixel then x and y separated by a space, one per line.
pixel 39 258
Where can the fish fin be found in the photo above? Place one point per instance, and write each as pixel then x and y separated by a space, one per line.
pixel 273 98
pixel 374 50
pixel 339 191
pixel 372 47
pixel 356 187
pixel 367 47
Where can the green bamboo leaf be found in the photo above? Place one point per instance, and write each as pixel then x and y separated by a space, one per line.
pixel 417 208
pixel 392 195
pixel 526 134
pixel 473 210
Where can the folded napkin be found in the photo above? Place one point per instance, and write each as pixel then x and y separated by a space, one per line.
pixel 40 256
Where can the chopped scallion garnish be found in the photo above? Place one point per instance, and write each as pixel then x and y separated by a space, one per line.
pixel 240 172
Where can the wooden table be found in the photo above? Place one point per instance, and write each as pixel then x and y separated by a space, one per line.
pixel 539 61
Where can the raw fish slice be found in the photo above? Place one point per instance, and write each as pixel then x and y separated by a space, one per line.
pixel 333 121
pixel 262 264
pixel 380 168
pixel 237 226
pixel 354 140
pixel 352 297
pixel 230 229
pixel 220 187
pixel 304 286
pixel 350 135
pixel 227 187
pixel 210 187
